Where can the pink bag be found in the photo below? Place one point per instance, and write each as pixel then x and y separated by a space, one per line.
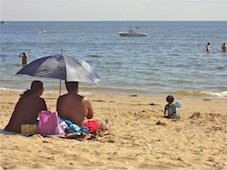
pixel 49 124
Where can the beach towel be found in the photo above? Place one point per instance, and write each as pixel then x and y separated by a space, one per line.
pixel 76 129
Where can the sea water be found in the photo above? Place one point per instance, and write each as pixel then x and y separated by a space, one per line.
pixel 171 60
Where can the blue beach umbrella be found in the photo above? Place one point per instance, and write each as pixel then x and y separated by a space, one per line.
pixel 61 67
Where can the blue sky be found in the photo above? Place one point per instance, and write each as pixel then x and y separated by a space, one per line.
pixel 113 10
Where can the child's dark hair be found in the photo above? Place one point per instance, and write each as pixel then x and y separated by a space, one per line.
pixel 170 99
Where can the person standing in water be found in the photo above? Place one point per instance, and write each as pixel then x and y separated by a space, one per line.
pixel 208 47
pixel 24 58
pixel 224 47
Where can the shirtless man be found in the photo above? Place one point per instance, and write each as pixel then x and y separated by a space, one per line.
pixel 78 109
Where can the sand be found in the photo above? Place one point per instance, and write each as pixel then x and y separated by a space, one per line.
pixel 139 138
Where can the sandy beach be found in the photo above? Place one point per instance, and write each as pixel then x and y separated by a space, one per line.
pixel 139 138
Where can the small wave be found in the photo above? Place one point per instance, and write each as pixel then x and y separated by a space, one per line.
pixel 112 90
pixel 175 54
pixel 3 55
pixel 220 67
pixel 180 81
pixel 43 32
pixel 189 93
pixel 94 56
pixel 202 93
pixel 46 91
pixel 8 89
pixel 155 84
pixel 216 94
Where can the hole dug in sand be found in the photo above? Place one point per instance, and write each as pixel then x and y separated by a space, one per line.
pixel 212 117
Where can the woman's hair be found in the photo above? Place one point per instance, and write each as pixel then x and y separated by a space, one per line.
pixel 35 87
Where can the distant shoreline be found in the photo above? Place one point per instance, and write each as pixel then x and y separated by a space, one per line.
pixel 128 92
pixel 119 21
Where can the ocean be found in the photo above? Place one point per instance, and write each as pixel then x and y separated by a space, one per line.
pixel 170 60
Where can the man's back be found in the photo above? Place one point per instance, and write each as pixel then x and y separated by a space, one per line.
pixel 74 107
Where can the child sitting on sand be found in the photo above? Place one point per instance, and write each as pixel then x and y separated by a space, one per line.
pixel 170 111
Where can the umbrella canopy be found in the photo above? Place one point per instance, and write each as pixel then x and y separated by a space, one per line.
pixel 61 67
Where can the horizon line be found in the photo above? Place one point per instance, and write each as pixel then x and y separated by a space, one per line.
pixel 113 20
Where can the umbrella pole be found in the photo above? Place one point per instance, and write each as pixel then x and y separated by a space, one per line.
pixel 60 89
pixel 60 79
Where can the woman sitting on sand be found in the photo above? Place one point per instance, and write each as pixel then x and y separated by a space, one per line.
pixel 27 108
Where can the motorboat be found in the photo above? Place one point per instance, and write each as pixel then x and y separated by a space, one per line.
pixel 132 33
